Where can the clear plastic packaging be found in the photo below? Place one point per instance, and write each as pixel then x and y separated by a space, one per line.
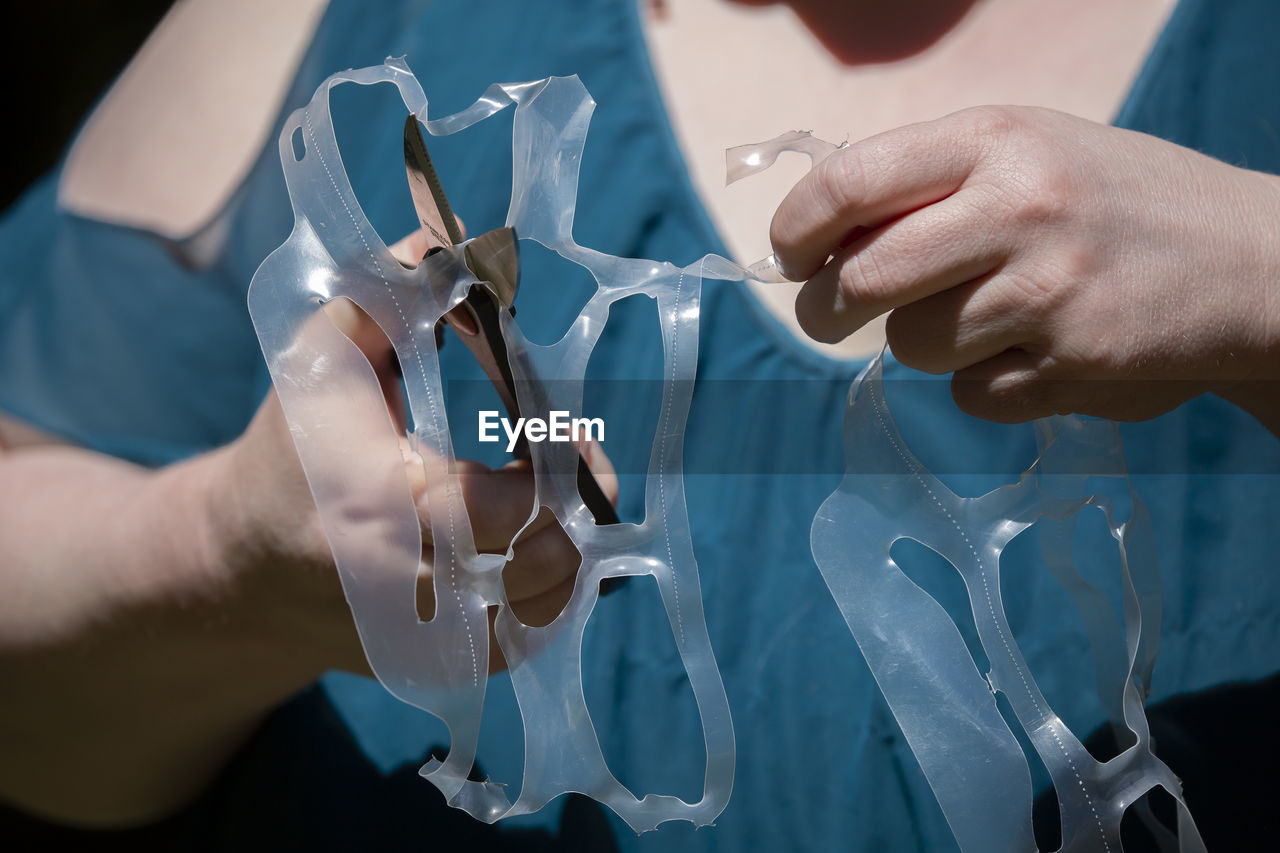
pixel 745 160
pixel 947 708
pixel 356 469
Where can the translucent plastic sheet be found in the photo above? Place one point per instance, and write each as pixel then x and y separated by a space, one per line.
pixel 746 160
pixel 357 471
pixel 947 709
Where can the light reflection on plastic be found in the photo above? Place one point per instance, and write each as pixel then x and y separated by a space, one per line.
pixel 945 706
pixel 318 283
pixel 359 479
pixel 357 474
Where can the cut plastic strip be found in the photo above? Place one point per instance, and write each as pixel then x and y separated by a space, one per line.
pixel 356 466
pixel 944 705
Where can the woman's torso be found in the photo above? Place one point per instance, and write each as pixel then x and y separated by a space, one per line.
pixel 820 760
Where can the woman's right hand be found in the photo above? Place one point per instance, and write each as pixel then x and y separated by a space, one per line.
pixel 268 528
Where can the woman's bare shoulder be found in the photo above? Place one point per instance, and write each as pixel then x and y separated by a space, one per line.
pixel 181 127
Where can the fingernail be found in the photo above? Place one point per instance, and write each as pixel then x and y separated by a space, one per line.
pixel 788 274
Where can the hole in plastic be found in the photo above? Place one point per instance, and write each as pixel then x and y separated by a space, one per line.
pixel 337 409
pixel 972 747
pixel 467 393
pixel 930 571
pixel 627 619
pixel 368 122
pixel 529 565
pixel 1062 662
pixel 627 364
pixel 1046 816
pixel 553 292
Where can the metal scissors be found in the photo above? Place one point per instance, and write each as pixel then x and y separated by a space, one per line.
pixel 494 259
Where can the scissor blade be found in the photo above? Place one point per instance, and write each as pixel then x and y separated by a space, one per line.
pixel 495 258
pixel 429 199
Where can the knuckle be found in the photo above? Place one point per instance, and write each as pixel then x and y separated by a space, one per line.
pixel 1004 398
pixel 1047 190
pixel 1030 194
pixel 1027 175
pixel 1076 261
pixel 841 180
pixel 783 230
pixel 828 192
pixel 991 124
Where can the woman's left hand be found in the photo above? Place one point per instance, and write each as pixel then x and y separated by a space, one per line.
pixel 1053 264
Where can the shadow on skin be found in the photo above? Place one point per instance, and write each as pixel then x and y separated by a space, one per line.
pixel 864 32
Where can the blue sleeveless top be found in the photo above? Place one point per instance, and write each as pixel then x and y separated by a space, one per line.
pixel 117 340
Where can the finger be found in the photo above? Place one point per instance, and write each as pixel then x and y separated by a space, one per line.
pixel 424 589
pixel 932 249
pixel 533 582
pixel 870 183
pixel 542 610
pixel 1009 388
pixel 601 468
pixel 362 330
pixel 410 248
pixel 497 661
pixel 420 478
pixel 957 328
pixel 498 502
pixel 535 612
pixel 540 562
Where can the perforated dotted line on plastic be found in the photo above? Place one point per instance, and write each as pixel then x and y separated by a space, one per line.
pixel 916 468
pixel 662 454
pixel 442 450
